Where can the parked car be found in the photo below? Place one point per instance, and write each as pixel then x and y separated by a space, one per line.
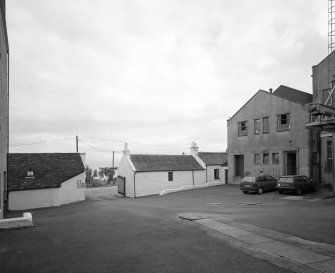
pixel 295 183
pixel 258 184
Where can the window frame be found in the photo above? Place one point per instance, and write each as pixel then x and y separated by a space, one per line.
pixel 170 176
pixel 268 156
pixel 266 127
pixel 275 162
pixel 257 129
pixel 216 174
pixel 243 132
pixel 257 159
pixel 281 127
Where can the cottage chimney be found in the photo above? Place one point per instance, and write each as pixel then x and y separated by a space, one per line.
pixel 271 90
pixel 126 152
pixel 194 148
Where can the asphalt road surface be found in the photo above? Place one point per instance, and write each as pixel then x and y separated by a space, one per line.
pixel 146 235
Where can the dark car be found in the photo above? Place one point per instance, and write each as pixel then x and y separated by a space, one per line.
pixel 295 183
pixel 258 184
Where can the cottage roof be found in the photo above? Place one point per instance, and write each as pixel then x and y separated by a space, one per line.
pixel 151 163
pixel 213 158
pixel 50 170
pixel 292 94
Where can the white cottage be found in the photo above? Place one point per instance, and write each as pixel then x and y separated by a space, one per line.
pixel 39 180
pixel 215 164
pixel 146 174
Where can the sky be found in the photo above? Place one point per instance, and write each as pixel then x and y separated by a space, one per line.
pixel 151 73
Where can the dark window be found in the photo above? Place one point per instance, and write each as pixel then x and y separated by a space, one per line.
pixel 170 175
pixel 216 174
pixel 329 150
pixel 275 158
pixel 266 159
pixel 266 125
pixel 242 128
pixel 257 159
pixel 257 126
pixel 283 122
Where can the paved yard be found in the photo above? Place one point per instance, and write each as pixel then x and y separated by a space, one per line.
pixel 146 235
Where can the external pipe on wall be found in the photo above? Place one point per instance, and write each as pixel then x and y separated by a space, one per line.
pixel 193 177
pixel 134 185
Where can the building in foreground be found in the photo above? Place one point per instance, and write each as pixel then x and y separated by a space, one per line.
pixel 4 106
pixel 322 116
pixel 268 136
pixel 39 180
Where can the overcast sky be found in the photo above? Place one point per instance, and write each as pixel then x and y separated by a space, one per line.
pixel 154 72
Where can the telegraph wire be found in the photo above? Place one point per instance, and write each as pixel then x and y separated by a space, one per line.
pixel 40 142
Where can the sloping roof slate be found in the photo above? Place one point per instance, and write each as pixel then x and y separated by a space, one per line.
pixel 214 158
pixel 150 163
pixel 293 95
pixel 50 169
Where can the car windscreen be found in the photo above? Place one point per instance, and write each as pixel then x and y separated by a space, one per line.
pixel 249 179
pixel 286 179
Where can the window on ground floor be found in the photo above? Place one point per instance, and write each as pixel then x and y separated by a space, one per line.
pixel 216 174
pixel 257 159
pixel 275 158
pixel 170 176
pixel 266 159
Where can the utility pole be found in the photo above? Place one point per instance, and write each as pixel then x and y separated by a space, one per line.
pixel 77 139
pixel 113 165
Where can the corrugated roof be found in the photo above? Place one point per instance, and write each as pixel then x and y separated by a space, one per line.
pixel 50 169
pixel 147 163
pixel 213 158
pixel 292 94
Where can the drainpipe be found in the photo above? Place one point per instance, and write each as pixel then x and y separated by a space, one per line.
pixel 206 175
pixel 333 146
pixel 134 185
pixel 193 177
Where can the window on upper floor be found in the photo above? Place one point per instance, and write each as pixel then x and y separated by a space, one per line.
pixel 257 126
pixel 283 122
pixel 170 176
pixel 325 95
pixel 265 125
pixel 242 128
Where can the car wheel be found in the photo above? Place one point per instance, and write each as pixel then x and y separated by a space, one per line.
pixel 260 190
pixel 245 192
pixel 280 192
pixel 298 191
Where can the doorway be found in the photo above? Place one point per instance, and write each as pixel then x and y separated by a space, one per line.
pixel 290 163
pixel 239 165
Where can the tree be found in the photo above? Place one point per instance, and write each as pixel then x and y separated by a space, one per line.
pixel 95 173
pixel 102 174
pixel 89 178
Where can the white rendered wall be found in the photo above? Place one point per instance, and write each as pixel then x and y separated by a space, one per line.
pixel 70 192
pixel 210 174
pixel 149 183
pixel 31 199
pixel 127 171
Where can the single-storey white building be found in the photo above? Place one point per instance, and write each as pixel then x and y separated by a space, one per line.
pixel 146 174
pixel 216 167
pixel 38 180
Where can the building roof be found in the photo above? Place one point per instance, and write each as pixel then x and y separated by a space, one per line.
pixel 283 92
pixel 50 170
pixel 292 94
pixel 151 163
pixel 213 158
